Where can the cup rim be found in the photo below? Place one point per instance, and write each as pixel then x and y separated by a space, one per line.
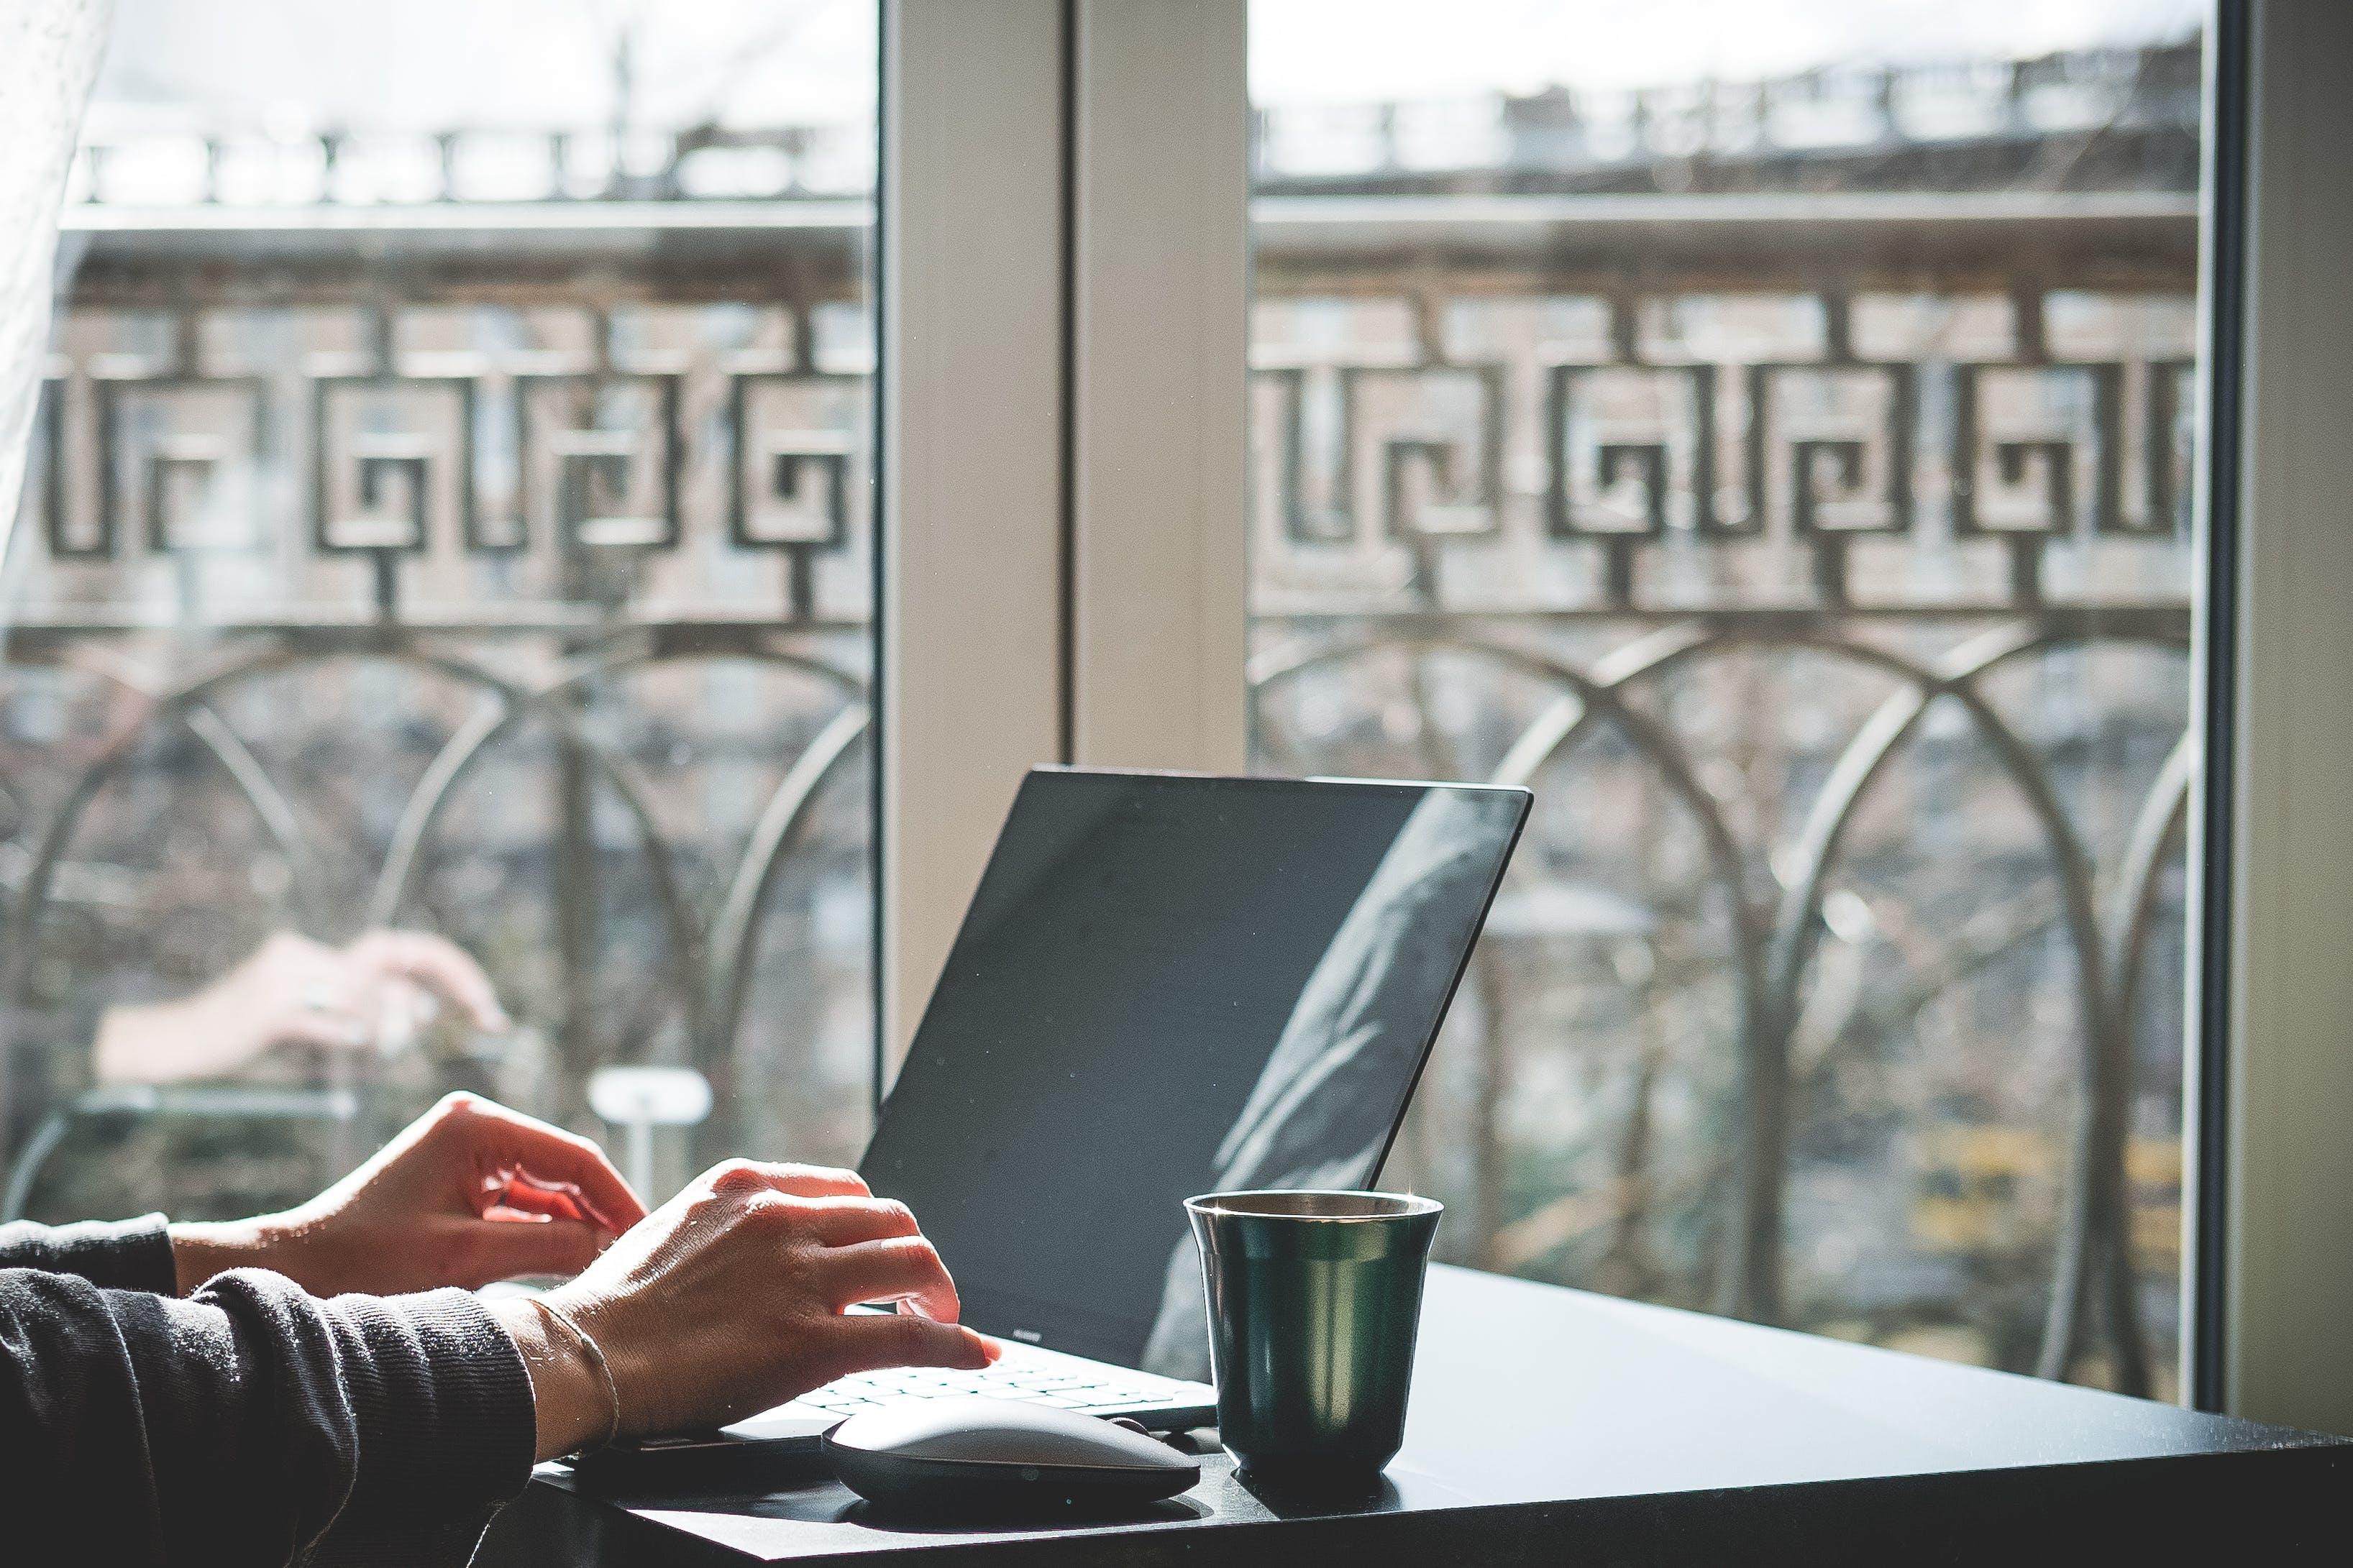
pixel 1409 1205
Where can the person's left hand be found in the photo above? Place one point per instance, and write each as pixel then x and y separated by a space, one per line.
pixel 467 1193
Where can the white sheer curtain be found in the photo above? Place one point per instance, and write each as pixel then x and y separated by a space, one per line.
pixel 49 51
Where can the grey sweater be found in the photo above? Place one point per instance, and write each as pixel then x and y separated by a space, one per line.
pixel 249 1424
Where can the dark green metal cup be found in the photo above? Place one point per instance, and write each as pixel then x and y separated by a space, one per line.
pixel 1315 1301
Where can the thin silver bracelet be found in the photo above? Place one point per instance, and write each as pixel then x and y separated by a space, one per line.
pixel 596 1354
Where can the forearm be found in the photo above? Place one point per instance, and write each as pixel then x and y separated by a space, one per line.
pixel 203 1249
pixel 108 1456
pixel 145 1254
pixel 129 1047
pixel 572 1404
pixel 116 1255
pixel 162 1042
pixel 251 1422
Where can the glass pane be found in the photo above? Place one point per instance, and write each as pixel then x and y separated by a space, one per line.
pixel 1765 432
pixel 452 514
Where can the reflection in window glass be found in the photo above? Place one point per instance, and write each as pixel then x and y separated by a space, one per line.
pixel 1764 430
pixel 451 513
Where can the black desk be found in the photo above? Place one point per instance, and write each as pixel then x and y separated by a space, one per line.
pixel 1554 1427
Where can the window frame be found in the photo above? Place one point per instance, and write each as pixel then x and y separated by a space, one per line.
pixel 2270 1294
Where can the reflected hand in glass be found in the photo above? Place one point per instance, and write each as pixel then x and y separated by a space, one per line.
pixel 377 990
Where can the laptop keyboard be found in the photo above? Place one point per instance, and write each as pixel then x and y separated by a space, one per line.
pixel 1031 1377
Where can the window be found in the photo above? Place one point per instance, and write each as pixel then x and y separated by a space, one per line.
pixel 1656 404
pixel 1765 432
pixel 453 509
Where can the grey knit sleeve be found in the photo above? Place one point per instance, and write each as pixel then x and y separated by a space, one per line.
pixel 116 1255
pixel 253 1423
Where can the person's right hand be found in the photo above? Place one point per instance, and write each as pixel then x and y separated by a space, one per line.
pixel 731 1297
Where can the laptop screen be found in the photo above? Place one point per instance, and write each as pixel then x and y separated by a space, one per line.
pixel 1169 985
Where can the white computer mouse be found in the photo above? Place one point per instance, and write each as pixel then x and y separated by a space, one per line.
pixel 978 1454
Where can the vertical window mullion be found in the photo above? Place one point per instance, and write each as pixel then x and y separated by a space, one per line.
pixel 1160 303
pixel 969 642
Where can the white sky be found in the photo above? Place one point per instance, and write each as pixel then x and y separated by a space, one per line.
pixel 1307 51
pixel 417 65
pixel 433 64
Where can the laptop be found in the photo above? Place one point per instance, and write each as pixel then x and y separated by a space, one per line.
pixel 1167 984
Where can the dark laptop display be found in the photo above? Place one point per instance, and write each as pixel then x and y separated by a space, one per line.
pixel 1169 985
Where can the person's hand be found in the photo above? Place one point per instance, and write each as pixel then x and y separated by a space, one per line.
pixel 732 1298
pixel 375 990
pixel 469 1192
